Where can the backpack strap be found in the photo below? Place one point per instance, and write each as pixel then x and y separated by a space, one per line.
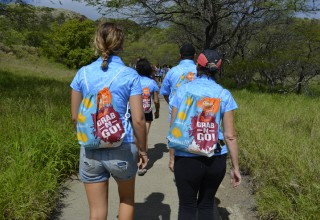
pixel 181 71
pixel 86 82
pixel 222 92
pixel 115 76
pixel 85 78
pixel 127 114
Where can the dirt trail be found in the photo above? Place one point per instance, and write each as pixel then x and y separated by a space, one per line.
pixel 236 203
pixel 156 195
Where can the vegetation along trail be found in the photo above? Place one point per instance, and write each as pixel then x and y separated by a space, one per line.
pixel 271 65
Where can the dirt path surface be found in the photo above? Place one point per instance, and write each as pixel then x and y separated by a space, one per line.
pixel 156 195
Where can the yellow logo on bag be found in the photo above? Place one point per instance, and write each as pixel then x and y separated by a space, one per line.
pixel 82 137
pixel 176 132
pixel 182 116
pixel 87 103
pixel 81 118
pixel 189 101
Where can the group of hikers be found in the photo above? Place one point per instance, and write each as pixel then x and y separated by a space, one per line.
pixel 112 109
pixel 160 71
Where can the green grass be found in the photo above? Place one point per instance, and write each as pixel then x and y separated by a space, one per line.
pixel 280 149
pixel 37 143
pixel 278 138
pixel 35 66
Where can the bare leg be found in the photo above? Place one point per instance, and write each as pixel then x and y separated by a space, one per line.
pixel 126 195
pixel 97 195
pixel 148 125
pixel 141 172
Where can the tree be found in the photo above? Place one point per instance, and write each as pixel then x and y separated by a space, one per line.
pixel 282 58
pixel 70 43
pixel 230 26
pixel 205 23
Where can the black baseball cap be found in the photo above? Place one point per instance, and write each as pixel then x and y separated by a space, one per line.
pixel 211 57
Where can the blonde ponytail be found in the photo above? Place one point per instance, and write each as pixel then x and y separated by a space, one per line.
pixel 108 41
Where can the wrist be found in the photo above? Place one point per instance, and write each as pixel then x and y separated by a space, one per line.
pixel 235 168
pixel 142 153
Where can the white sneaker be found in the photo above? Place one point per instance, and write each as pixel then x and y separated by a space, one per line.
pixel 141 172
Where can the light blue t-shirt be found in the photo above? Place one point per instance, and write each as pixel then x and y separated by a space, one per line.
pixel 153 87
pixel 202 86
pixel 173 75
pixel 92 78
pixel 150 83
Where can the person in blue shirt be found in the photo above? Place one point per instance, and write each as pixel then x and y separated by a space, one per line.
pixel 182 73
pixel 199 177
pixel 97 166
pixel 150 91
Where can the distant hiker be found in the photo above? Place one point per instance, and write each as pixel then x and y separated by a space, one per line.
pixel 150 93
pixel 208 128
pixel 165 69
pixel 158 72
pixel 117 85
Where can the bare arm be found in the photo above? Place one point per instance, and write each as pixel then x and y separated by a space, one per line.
pixel 139 127
pixel 76 98
pixel 166 97
pixel 171 151
pixel 156 104
pixel 231 141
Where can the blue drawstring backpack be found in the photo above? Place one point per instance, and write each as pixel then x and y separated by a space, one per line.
pixel 99 124
pixel 146 99
pixel 184 78
pixel 195 128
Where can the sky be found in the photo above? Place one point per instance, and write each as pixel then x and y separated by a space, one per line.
pixel 81 8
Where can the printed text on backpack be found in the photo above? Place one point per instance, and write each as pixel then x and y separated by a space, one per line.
pixel 99 124
pixel 146 100
pixel 196 125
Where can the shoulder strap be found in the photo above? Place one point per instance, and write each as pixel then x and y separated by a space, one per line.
pixel 180 70
pixel 127 114
pixel 85 77
pixel 116 75
pixel 222 92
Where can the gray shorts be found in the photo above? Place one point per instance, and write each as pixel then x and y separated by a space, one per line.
pixel 98 165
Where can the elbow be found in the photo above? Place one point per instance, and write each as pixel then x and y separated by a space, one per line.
pixel 230 139
pixel 74 121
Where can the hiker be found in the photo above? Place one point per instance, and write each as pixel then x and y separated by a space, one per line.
pixel 184 72
pixel 150 91
pixel 97 166
pixel 198 177
pixel 165 69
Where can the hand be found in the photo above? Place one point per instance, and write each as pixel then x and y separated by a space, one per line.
pixel 171 165
pixel 156 114
pixel 235 177
pixel 143 161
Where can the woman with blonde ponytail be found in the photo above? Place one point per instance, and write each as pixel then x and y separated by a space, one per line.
pixel 97 166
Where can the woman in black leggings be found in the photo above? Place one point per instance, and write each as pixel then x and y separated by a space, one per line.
pixel 197 180
pixel 199 177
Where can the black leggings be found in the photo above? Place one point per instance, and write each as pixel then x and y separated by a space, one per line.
pixel 197 181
